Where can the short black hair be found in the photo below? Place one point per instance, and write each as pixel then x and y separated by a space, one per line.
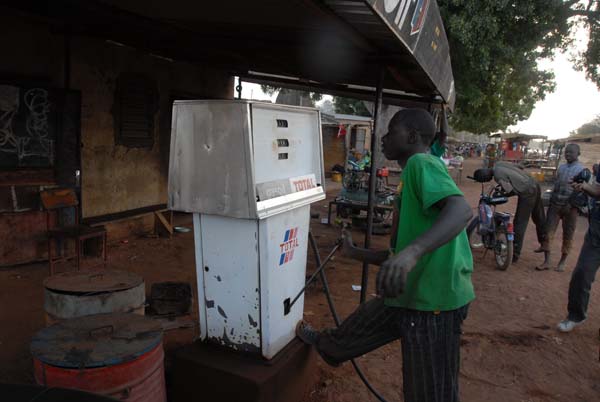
pixel 572 144
pixel 418 120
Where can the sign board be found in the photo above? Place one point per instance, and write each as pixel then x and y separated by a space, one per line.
pixel 419 26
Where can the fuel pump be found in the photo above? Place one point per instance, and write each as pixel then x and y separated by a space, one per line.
pixel 248 172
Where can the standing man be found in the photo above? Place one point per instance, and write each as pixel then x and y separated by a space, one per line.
pixel 490 156
pixel 424 285
pixel 561 209
pixel 515 181
pixel 587 264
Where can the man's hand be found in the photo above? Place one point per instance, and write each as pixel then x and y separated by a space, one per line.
pixel 393 273
pixel 506 186
pixel 361 254
pixel 578 186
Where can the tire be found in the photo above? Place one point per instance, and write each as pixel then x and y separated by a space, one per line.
pixel 503 251
pixel 475 240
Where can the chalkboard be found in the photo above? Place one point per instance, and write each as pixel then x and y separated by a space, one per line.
pixel 28 126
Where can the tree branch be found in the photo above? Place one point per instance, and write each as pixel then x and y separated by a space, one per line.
pixel 571 3
pixel 592 15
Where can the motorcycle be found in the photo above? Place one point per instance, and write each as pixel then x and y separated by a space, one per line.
pixel 490 229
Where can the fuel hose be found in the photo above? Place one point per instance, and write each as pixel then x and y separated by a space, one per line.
pixel 321 272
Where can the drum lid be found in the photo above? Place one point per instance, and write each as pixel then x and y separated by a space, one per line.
pixel 96 340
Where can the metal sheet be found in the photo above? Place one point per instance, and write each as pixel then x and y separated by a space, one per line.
pixel 288 202
pixel 210 157
pixel 96 340
pixel 418 25
pixel 93 281
pixel 286 142
pixel 231 281
pixel 331 43
pixel 199 257
pixel 225 152
pixel 283 247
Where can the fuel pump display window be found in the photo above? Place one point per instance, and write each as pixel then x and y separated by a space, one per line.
pixel 283 142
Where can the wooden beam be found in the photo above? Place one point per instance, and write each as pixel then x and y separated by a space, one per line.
pixel 161 223
pixel 27 177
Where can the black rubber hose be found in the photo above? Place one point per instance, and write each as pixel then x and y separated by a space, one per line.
pixel 335 315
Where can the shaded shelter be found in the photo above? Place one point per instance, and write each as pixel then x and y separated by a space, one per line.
pixel 514 145
pixel 394 51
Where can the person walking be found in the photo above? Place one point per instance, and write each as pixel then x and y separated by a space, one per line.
pixel 587 264
pixel 424 286
pixel 560 209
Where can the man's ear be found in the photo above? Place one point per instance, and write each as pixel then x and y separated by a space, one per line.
pixel 413 136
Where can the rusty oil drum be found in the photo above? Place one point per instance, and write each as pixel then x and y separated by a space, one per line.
pixel 75 294
pixel 115 355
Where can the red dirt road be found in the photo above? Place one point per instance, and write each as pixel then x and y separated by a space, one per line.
pixel 511 349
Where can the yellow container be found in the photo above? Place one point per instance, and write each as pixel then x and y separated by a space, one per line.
pixel 539 176
pixel 336 176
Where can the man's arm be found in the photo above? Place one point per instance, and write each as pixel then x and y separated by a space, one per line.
pixel 506 186
pixel 375 257
pixel 592 190
pixel 454 216
pixel 559 172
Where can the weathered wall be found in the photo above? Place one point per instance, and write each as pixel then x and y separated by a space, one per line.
pixel 114 178
pixel 334 149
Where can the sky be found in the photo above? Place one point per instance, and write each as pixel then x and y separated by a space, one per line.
pixel 574 102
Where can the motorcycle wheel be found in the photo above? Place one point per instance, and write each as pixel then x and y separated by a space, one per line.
pixel 503 250
pixel 475 239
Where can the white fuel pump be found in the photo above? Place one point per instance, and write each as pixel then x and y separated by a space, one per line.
pixel 248 171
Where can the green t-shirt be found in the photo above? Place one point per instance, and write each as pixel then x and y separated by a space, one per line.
pixel 437 149
pixel 441 280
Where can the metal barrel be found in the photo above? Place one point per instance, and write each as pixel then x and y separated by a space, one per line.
pixel 76 294
pixel 115 355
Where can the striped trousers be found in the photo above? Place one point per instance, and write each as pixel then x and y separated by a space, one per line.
pixel 430 346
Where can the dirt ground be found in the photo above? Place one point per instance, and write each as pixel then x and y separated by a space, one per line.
pixel 511 350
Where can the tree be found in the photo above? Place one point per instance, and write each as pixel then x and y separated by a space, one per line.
pixel 495 46
pixel 292 96
pixel 350 106
pixel 327 107
pixel 589 128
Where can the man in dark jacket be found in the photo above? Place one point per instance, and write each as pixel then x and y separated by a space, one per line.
pixel 515 181
pixel 587 264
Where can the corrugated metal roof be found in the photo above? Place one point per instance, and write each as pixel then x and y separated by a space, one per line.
pixel 327 44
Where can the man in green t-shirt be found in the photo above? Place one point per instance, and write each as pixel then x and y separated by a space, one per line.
pixel 424 284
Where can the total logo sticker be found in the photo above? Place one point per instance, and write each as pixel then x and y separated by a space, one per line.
pixel 290 242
